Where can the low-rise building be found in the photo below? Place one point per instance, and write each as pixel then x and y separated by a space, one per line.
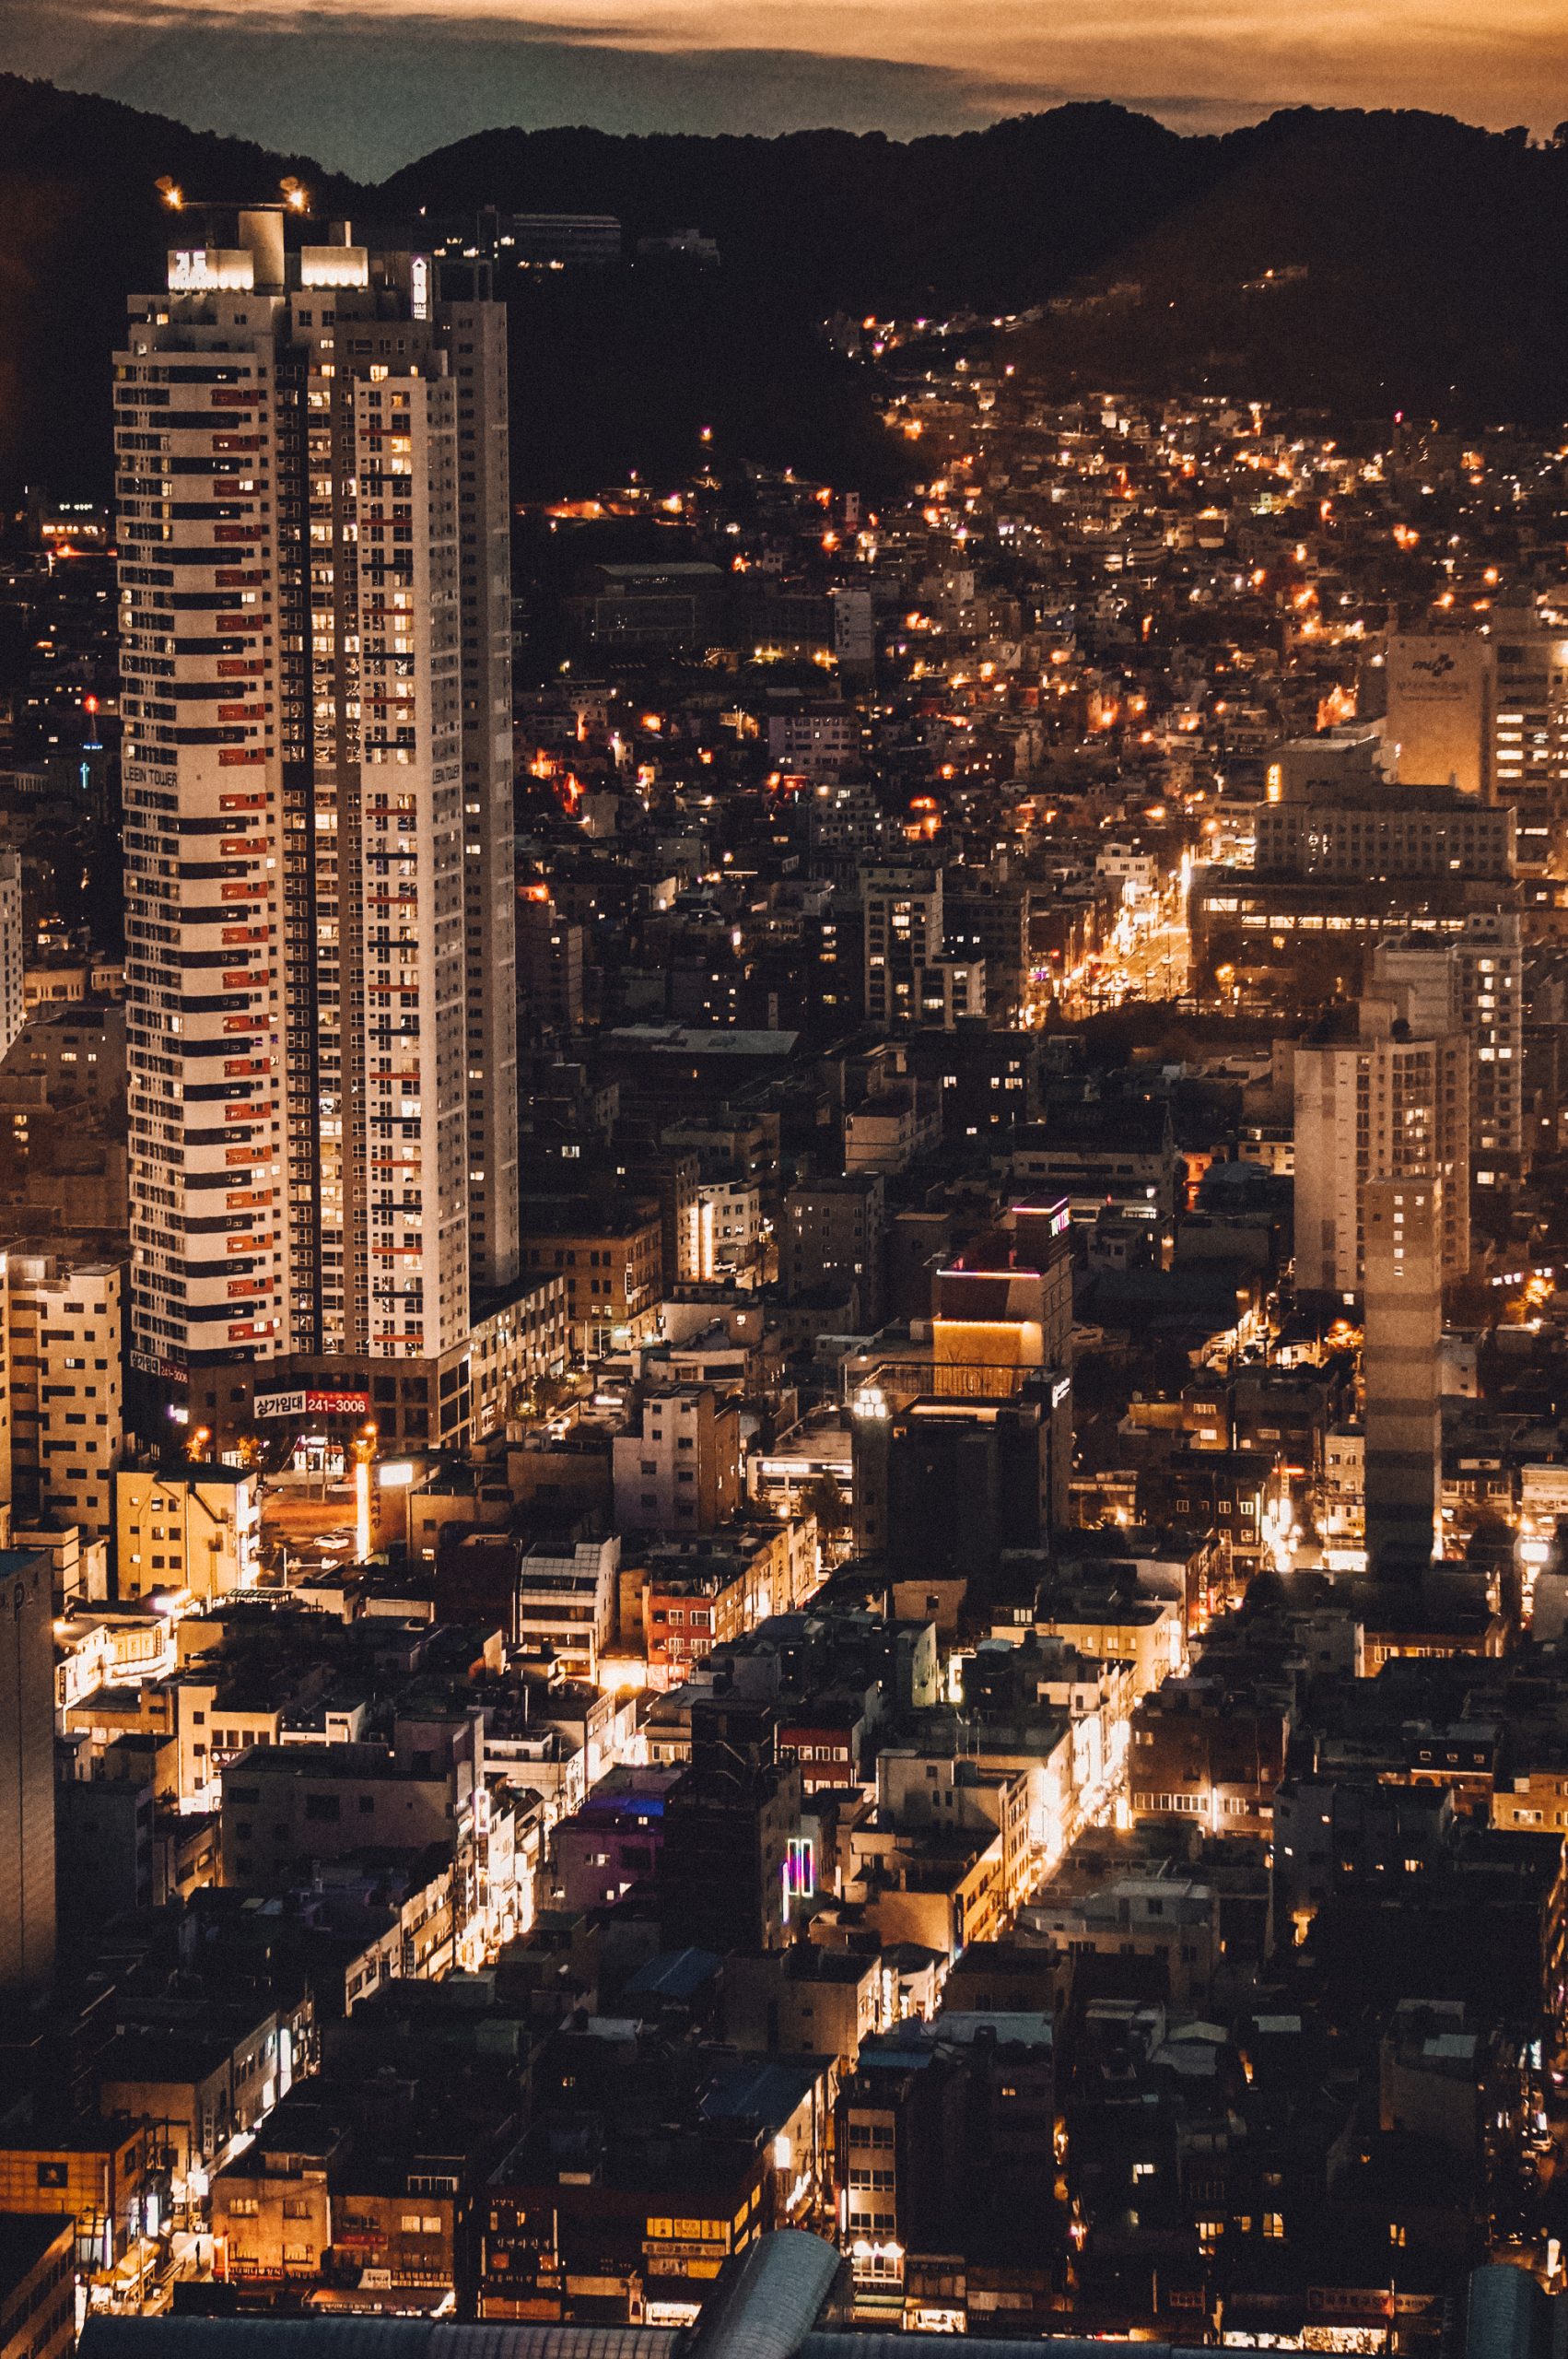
pixel 296 1803
pixel 610 1262
pixel 198 1530
pixel 681 1470
pixel 65 1357
pixel 704 1593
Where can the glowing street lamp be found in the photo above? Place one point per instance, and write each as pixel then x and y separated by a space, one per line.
pixel 364 1460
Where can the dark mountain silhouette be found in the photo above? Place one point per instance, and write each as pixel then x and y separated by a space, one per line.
pixel 988 219
pixel 84 224
pixel 1419 263
pixel 1435 274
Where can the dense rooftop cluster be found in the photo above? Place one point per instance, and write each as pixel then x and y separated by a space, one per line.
pixel 972 1658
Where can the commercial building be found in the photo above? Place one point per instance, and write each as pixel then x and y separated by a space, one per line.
pixel 1299 940
pixel 99 2171
pixel 945 1481
pixel 1123 1155
pixel 1377 832
pixel 315 647
pixel 1442 712
pixel 726 1229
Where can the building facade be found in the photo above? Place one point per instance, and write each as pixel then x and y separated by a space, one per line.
pixel 26 1773
pixel 1473 983
pixel 65 1349
pixel 1383 1106
pixel 199 1531
pixel 1401 1364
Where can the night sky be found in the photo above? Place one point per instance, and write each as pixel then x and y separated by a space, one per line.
pixel 367 85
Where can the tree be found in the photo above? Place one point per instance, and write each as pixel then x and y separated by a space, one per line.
pixel 824 1498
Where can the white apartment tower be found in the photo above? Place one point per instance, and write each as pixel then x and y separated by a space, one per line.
pixel 311 461
pixel 1392 1104
pixel 1472 982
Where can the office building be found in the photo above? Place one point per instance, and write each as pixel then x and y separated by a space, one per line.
pixel 1376 832
pixel 311 449
pixel 1330 763
pixel 1442 712
pixel 1296 940
pixel 26 1773
pixel 1389 1104
pixel 1402 1374
pixel 558 241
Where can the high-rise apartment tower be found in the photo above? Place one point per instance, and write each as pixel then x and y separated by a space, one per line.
pixel 1395 1102
pixel 315 630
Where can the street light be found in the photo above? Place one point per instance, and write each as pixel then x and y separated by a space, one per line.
pixel 364 1458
